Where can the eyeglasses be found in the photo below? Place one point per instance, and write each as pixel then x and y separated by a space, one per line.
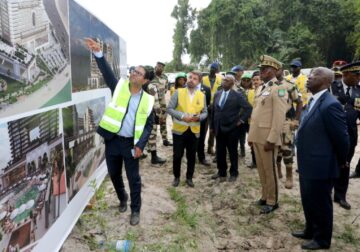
pixel 137 72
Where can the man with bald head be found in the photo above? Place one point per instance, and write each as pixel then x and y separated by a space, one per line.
pixel 230 110
pixel 322 146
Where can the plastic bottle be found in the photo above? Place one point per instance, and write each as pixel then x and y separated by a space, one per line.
pixel 118 245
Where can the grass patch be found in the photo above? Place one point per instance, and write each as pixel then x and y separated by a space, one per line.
pixel 182 213
pixel 347 236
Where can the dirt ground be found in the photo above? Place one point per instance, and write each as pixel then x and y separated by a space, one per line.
pixel 208 217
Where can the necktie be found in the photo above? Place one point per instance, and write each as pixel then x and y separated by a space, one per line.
pixel 223 100
pixel 347 94
pixel 309 104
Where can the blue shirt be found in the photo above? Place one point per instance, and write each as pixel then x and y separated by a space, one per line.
pixel 128 124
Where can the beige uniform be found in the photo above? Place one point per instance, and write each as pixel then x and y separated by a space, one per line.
pixel 267 120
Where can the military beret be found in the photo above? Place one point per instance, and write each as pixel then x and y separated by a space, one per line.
pixel 237 68
pixel 352 67
pixel 231 73
pixel 246 75
pixel 266 60
pixel 214 65
pixel 160 63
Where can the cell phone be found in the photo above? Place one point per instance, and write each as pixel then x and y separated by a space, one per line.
pixel 133 152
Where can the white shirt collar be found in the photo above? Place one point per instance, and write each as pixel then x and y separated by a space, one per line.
pixel 316 96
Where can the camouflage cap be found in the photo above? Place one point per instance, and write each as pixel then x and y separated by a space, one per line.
pixel 266 60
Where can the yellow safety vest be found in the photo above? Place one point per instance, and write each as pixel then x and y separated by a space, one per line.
pixel 190 108
pixel 300 83
pixel 217 84
pixel 116 110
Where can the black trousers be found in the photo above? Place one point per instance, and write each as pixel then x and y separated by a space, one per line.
pixel 318 209
pixel 201 141
pixel 342 183
pixel 227 141
pixel 187 141
pixel 357 169
pixel 243 129
pixel 118 150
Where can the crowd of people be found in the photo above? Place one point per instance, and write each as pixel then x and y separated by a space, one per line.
pixel 315 115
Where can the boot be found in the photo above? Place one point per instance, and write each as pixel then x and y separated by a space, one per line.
pixel 289 178
pixel 155 159
pixel 279 170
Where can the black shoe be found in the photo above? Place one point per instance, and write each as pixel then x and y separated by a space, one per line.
pixel 302 235
pixel 167 143
pixel 252 166
pixel 344 204
pixel 313 245
pixel 214 160
pixel 143 156
pixel 189 182
pixel 157 160
pixel 260 202
pixel 123 204
pixel 215 176
pixel 176 182
pixel 134 218
pixel 354 175
pixel 242 154
pixel 232 178
pixel 205 162
pixel 268 209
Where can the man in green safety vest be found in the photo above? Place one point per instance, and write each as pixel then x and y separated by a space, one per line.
pixel 126 126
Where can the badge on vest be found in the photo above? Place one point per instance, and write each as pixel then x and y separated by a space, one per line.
pixel 281 92
pixel 357 103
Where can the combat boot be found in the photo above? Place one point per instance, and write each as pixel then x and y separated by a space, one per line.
pixel 155 159
pixel 289 178
pixel 279 170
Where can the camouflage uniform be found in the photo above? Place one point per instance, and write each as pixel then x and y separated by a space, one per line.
pixel 161 85
pixel 286 150
pixel 152 89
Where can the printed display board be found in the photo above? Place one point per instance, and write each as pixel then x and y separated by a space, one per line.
pixel 52 98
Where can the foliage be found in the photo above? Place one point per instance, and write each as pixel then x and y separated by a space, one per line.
pixel 239 31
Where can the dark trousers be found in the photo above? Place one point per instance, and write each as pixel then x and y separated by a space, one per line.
pixel 243 129
pixel 201 141
pixel 357 169
pixel 227 141
pixel 118 150
pixel 318 209
pixel 342 182
pixel 187 141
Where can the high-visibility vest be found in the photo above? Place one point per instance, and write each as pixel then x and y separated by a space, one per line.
pixel 190 108
pixel 116 110
pixel 300 83
pixel 217 84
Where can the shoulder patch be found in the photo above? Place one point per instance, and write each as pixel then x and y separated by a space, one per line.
pixel 281 92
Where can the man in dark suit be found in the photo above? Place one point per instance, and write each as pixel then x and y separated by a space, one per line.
pixel 230 110
pixel 126 126
pixel 347 91
pixel 203 128
pixel 322 146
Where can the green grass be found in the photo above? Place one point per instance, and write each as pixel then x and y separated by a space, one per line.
pixel 12 86
pixel 348 236
pixel 182 212
pixel 63 96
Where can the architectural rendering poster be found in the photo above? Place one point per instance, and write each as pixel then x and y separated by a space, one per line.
pixel 32 179
pixel 34 55
pixel 84 148
pixel 85 73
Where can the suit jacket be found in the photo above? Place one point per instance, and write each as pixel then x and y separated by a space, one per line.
pixel 111 82
pixel 268 116
pixel 351 106
pixel 322 139
pixel 207 92
pixel 236 109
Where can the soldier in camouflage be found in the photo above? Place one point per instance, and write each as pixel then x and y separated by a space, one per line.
pixel 286 151
pixel 161 82
pixel 151 88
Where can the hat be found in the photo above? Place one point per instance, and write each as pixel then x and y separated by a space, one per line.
pixel 353 67
pixel 296 63
pixel 214 65
pixel 160 63
pixel 336 66
pixel 246 75
pixel 237 68
pixel 266 60
pixel 181 75
pixel 231 73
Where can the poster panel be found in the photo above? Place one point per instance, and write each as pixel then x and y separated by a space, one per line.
pixel 85 73
pixel 34 55
pixel 32 179
pixel 84 148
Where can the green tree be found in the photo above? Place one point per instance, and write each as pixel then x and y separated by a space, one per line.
pixel 184 16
